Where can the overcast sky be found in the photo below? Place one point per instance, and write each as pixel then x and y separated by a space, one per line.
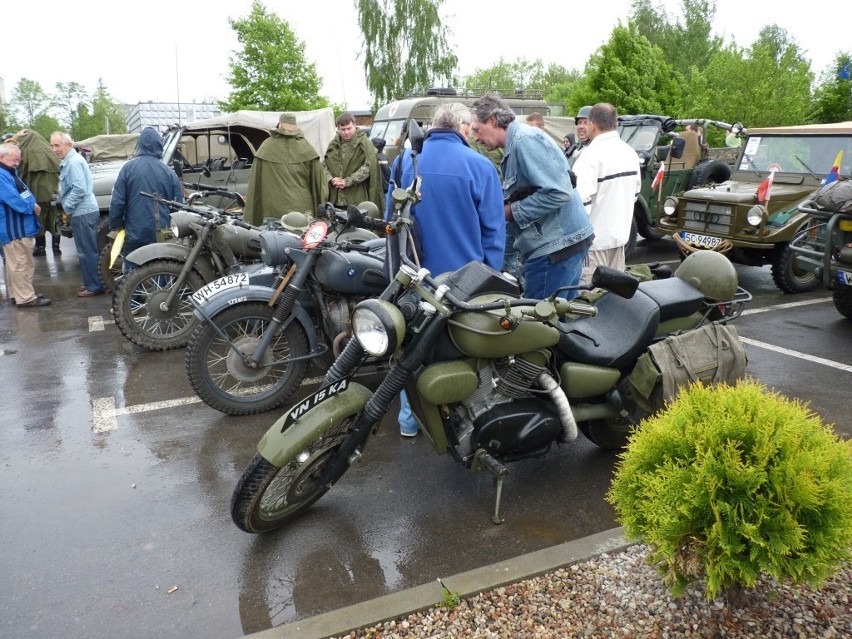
pixel 178 50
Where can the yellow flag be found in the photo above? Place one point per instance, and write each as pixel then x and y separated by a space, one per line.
pixel 117 244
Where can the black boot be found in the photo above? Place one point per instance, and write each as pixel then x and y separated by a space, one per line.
pixel 39 246
pixel 56 250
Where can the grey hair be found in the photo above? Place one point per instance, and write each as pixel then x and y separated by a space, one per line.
pixel 492 106
pixel 62 135
pixel 451 116
pixel 7 149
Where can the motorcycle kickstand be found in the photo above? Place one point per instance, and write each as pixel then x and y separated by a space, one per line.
pixel 499 471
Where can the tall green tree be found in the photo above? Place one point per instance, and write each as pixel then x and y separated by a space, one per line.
pixel 832 98
pixel 103 116
pixel 629 73
pixel 270 72
pixel 404 48
pixel 29 102
pixel 66 99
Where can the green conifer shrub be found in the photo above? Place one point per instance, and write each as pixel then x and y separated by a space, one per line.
pixel 731 482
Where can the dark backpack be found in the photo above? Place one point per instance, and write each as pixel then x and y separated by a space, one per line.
pixel 836 196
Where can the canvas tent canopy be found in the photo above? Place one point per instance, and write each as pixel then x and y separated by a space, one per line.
pixel 108 147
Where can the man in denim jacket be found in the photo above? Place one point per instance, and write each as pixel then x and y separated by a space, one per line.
pixel 543 211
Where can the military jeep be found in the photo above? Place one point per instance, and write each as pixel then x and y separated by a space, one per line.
pixel 662 140
pixel 733 219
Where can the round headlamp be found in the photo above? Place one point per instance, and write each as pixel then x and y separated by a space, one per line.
pixel 670 206
pixel 378 326
pixel 755 215
pixel 274 246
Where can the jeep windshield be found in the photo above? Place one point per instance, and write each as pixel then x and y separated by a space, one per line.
pixel 807 154
pixel 642 137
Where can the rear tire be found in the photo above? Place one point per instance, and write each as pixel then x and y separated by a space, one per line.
pixel 219 376
pixel 267 497
pixel 136 306
pixel 630 247
pixel 842 297
pixel 109 275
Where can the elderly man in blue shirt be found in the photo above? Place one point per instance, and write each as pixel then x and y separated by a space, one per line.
pixel 79 203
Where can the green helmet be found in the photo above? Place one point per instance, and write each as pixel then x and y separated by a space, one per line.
pixel 711 273
pixel 370 209
pixel 295 222
pixel 583 113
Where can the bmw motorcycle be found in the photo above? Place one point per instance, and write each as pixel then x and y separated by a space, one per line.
pixel 255 342
pixel 150 303
pixel 492 377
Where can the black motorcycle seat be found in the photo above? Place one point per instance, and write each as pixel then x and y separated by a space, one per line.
pixel 616 336
pixel 675 297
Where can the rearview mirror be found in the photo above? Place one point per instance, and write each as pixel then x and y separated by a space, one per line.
pixel 678 145
pixel 415 136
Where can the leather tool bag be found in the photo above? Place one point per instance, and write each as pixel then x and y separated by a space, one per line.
pixel 710 354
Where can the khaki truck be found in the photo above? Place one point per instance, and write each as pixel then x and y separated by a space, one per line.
pixel 754 226
pixel 388 121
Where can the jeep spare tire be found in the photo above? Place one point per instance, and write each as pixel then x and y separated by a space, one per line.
pixel 709 171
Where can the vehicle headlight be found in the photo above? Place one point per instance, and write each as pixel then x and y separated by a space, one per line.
pixel 275 246
pixel 755 214
pixel 378 326
pixel 175 230
pixel 670 206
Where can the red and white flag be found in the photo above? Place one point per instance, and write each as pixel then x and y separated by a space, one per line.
pixel 658 178
pixel 763 189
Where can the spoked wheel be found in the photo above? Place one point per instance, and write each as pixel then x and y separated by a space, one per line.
pixel 137 305
pixel 219 374
pixel 109 274
pixel 267 497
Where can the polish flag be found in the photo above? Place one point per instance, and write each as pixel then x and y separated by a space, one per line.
pixel 763 189
pixel 658 178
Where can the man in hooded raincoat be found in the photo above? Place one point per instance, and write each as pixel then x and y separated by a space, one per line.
pixel 39 170
pixel 140 216
pixel 286 175
pixel 352 169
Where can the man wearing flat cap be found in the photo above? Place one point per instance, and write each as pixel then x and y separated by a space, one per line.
pixel 286 175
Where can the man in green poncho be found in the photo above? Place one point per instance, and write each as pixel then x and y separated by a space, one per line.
pixel 287 175
pixel 39 170
pixel 352 170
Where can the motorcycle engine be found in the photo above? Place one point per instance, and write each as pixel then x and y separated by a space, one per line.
pixel 337 322
pixel 504 416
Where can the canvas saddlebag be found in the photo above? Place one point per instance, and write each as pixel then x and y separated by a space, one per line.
pixel 711 354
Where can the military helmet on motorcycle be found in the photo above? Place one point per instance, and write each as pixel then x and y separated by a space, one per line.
pixel 295 222
pixel 711 273
pixel 583 113
pixel 370 209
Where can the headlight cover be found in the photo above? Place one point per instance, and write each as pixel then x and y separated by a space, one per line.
pixel 378 326
pixel 755 215
pixel 670 206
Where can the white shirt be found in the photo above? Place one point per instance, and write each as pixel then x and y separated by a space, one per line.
pixel 608 180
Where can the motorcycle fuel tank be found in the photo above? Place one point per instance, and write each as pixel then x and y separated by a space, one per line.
pixel 351 273
pixel 479 334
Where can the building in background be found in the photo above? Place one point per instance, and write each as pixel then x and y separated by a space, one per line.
pixel 162 115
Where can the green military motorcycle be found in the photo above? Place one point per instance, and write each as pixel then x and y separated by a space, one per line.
pixel 492 377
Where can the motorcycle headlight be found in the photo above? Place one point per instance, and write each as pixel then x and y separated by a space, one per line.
pixel 670 206
pixel 755 215
pixel 274 246
pixel 378 326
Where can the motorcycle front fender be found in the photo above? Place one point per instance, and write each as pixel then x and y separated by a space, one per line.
pixel 171 251
pixel 287 435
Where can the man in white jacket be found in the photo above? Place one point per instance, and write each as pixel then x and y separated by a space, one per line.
pixel 609 181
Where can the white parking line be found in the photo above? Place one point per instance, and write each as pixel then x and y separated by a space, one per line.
pixel 97 323
pixel 104 410
pixel 804 356
pixel 781 307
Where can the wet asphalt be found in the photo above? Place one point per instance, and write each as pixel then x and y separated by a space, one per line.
pixel 115 481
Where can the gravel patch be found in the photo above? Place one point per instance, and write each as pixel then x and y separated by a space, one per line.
pixel 618 595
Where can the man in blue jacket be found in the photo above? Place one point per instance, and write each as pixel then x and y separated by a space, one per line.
pixel 544 212
pixel 140 216
pixel 460 215
pixel 79 203
pixel 18 225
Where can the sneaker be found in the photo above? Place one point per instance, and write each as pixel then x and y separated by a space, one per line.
pixel 39 301
pixel 408 431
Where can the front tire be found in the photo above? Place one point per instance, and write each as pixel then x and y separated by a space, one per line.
pixel 789 277
pixel 220 377
pixel 842 297
pixel 109 275
pixel 267 497
pixel 136 305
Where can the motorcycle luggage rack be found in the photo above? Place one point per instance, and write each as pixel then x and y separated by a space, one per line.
pixel 730 309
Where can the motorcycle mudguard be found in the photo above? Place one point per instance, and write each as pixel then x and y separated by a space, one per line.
pixel 313 416
pixel 170 251
pixel 251 293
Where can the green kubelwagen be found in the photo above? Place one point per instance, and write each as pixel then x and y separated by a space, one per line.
pixel 733 219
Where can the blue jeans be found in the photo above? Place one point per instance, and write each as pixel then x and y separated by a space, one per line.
pixel 407 423
pixel 542 277
pixel 84 228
